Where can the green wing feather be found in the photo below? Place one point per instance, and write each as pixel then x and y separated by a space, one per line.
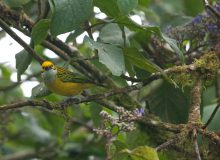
pixel 67 76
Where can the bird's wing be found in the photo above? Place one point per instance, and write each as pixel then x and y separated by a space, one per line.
pixel 67 76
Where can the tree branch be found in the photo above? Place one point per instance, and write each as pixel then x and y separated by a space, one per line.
pixel 7 29
pixel 194 115
pixel 13 85
pixel 211 135
pixel 165 144
pixel 21 104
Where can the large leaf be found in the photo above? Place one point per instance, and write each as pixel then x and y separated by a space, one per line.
pixel 207 111
pixel 39 31
pixel 125 6
pixel 173 45
pixel 170 103
pixel 69 14
pixel 109 55
pixel 104 6
pixel 136 58
pixel 23 60
pixel 209 95
pixel 112 34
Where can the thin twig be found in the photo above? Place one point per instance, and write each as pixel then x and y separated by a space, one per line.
pixel 6 88
pixel 210 8
pixel 165 145
pixel 7 29
pixel 89 30
pixel 150 121
pixel 21 104
pixel 131 78
pixel 198 157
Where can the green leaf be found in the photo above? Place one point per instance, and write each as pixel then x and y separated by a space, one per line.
pixel 104 6
pixel 142 153
pixel 207 111
pixel 129 68
pixel 126 6
pixel 136 58
pixel 209 95
pixel 23 60
pixel 119 145
pixel 133 139
pixel 5 71
pixel 72 36
pixel 112 34
pixel 144 3
pixel 129 23
pixel 69 15
pixel 40 91
pixel 109 55
pixel 173 45
pixel 112 57
pixel 170 103
pixel 40 30
pixel 191 10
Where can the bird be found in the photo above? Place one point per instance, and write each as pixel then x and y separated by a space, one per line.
pixel 61 81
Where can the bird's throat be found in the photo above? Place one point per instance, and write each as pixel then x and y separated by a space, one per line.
pixel 49 76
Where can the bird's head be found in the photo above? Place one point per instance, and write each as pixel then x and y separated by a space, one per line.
pixel 49 71
pixel 48 65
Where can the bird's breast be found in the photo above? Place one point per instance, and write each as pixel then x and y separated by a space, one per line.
pixel 49 76
pixel 66 88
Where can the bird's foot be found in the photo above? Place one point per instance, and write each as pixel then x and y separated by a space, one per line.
pixel 70 101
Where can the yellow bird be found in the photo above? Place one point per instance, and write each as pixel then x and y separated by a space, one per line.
pixel 63 82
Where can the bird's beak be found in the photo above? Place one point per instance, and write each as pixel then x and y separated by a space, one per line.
pixel 47 68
